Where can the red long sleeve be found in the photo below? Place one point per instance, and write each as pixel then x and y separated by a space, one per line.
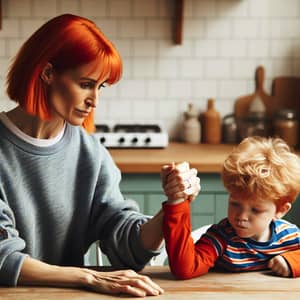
pixel 293 259
pixel 186 259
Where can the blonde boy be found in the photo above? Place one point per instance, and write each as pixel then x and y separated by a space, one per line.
pixel 262 177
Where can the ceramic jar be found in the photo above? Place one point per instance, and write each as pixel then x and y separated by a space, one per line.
pixel 211 121
pixel 191 131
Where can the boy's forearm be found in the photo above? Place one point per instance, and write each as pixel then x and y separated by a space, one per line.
pixel 293 259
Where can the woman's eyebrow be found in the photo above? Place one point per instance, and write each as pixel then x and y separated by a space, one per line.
pixel 90 79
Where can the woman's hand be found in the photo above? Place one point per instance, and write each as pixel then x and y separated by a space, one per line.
pixel 35 272
pixel 279 266
pixel 180 182
pixel 124 281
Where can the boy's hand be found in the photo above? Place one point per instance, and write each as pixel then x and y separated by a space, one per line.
pixel 180 182
pixel 279 266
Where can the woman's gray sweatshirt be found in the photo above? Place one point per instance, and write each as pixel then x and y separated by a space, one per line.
pixel 55 201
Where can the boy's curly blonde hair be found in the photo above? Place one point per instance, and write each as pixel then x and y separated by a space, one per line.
pixel 262 168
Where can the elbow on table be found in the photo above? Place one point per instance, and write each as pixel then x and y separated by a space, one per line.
pixel 184 273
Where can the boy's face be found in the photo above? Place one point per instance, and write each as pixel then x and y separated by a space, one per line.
pixel 251 218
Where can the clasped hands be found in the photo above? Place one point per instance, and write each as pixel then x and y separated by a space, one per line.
pixel 180 182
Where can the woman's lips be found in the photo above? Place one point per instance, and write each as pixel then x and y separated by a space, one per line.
pixel 82 112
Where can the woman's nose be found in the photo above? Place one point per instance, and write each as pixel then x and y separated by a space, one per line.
pixel 92 99
pixel 91 102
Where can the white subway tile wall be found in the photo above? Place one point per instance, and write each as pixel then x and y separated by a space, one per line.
pixel 223 43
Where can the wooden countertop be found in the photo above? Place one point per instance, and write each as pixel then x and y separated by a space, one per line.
pixel 211 286
pixel 205 158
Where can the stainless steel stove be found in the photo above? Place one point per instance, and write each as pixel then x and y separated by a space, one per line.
pixel 132 136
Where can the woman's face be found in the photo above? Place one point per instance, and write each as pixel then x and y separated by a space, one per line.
pixel 74 93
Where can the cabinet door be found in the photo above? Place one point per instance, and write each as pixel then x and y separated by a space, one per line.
pixel 203 210
pixel 221 207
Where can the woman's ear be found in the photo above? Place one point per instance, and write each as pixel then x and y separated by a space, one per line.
pixel 282 209
pixel 47 73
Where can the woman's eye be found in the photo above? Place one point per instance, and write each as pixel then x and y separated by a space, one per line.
pixel 86 85
pixel 102 85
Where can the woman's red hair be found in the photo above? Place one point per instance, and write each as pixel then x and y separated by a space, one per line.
pixel 66 41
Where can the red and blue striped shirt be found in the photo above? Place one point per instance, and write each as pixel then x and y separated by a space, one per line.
pixel 244 254
pixel 221 247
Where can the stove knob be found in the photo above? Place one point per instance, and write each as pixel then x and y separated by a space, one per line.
pixel 147 140
pixel 121 140
pixel 134 140
pixel 102 140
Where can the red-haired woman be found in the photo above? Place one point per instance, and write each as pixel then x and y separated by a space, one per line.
pixel 59 188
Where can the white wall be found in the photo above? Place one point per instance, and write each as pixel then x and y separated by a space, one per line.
pixel 224 41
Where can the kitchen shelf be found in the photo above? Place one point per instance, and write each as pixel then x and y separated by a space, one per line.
pixel 178 21
pixel 0 14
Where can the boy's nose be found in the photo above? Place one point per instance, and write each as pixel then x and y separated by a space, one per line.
pixel 242 216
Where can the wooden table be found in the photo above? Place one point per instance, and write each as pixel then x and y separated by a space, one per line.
pixel 214 285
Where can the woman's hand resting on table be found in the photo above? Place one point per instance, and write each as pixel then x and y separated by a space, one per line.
pixel 35 272
pixel 179 182
pixel 124 281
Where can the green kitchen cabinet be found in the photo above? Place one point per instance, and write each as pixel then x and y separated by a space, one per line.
pixel 209 207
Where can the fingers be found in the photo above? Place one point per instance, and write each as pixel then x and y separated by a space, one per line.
pixel 279 266
pixel 125 281
pixel 182 182
pixel 165 171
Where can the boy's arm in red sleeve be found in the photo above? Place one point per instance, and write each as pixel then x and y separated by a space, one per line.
pixel 186 259
pixel 293 259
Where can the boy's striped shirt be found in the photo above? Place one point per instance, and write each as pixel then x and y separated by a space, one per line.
pixel 243 254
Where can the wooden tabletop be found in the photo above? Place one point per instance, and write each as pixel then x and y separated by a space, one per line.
pixel 214 285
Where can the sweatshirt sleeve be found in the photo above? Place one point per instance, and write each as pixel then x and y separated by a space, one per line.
pixel 293 259
pixel 186 259
pixel 11 245
pixel 115 221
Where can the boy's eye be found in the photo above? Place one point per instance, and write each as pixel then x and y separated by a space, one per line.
pixel 256 211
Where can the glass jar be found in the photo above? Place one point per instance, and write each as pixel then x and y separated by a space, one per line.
pixel 229 129
pixel 255 123
pixel 286 126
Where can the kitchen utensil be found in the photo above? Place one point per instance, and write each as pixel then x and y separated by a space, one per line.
pixel 242 104
pixel 286 89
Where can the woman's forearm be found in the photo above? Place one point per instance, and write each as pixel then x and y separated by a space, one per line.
pixel 151 232
pixel 35 272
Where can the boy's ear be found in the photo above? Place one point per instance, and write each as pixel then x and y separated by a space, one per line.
pixel 282 209
pixel 47 73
